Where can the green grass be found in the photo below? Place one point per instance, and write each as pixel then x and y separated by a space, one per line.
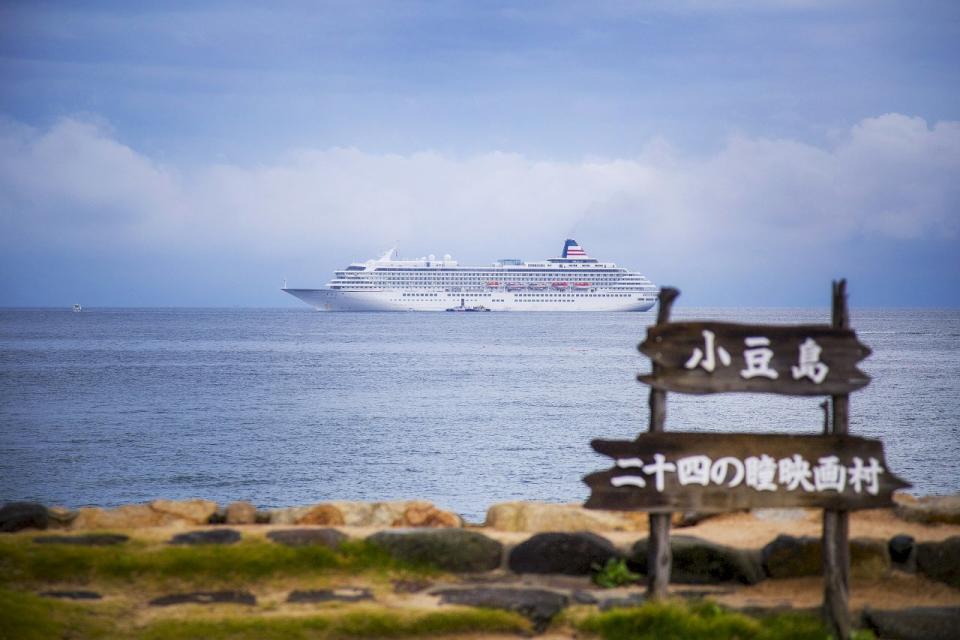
pixel 359 624
pixel 24 562
pixel 614 574
pixel 703 621
pixel 24 616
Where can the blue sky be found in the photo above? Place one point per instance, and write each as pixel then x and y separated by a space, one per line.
pixel 746 152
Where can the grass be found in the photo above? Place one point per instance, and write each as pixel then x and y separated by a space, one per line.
pixel 24 562
pixel 703 621
pixel 614 574
pixel 141 567
pixel 358 624
pixel 24 616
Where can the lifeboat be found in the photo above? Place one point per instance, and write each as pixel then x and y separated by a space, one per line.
pixel 537 286
pixel 493 284
pixel 514 286
pixel 559 285
pixel 581 285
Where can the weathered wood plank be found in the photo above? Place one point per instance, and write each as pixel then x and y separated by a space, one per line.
pixel 724 472
pixel 836 524
pixel 659 553
pixel 712 357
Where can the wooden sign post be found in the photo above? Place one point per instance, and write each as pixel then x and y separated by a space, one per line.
pixel 663 472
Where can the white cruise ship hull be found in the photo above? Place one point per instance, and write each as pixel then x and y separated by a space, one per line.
pixel 394 300
pixel 572 282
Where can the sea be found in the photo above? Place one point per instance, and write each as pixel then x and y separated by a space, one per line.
pixel 291 406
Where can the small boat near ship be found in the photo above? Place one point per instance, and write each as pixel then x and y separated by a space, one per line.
pixel 77 308
pixel 465 309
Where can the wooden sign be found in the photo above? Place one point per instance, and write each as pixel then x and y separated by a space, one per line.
pixel 710 357
pixel 710 472
pixel 662 472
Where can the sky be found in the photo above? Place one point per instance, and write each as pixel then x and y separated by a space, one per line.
pixel 746 152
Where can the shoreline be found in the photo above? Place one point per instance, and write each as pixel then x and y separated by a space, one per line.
pixel 541 562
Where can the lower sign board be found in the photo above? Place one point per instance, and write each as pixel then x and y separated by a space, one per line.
pixel 709 472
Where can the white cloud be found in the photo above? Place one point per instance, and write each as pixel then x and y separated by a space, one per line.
pixel 890 176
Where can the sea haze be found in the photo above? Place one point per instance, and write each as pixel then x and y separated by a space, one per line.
pixel 287 407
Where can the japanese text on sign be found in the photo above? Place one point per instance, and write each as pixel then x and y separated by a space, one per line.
pixel 757 357
pixel 761 473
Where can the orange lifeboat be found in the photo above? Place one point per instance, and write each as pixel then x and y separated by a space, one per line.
pixel 493 284
pixel 581 285
pixel 559 285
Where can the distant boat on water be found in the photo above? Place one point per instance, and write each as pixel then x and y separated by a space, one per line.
pixel 77 308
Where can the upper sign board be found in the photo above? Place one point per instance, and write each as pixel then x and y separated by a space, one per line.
pixel 711 357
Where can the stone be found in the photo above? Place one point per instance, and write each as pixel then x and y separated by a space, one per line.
pixel 940 560
pixel 928 509
pixel 579 596
pixel 322 514
pixel 869 558
pixel 697 561
pixel 359 514
pixel 537 605
pixel 453 550
pixel 901 550
pixel 330 595
pixel 241 512
pixel 681 519
pixel 409 513
pixel 622 602
pixel 207 536
pixel 190 511
pixel 424 514
pixel 88 540
pixel 537 517
pixel 72 595
pixel 330 538
pixel 793 557
pixel 288 515
pixel 919 623
pixel 15 516
pixel 779 515
pixel 205 597
pixel 575 554
pixel 60 517
pixel 131 516
pixel 408 585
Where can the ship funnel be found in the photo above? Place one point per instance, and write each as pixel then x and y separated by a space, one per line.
pixel 571 249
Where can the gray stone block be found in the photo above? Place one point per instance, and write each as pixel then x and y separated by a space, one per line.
pixel 537 605
pixel 940 560
pixel 330 538
pixel 207 536
pixel 15 516
pixel 447 549
pixel 698 561
pixel 573 554
pixel 205 597
pixel 920 623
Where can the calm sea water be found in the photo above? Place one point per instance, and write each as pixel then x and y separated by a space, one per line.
pixel 284 407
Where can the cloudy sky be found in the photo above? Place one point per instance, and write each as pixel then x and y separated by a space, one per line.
pixel 745 151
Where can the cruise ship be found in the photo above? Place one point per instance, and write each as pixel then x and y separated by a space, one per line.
pixel 572 282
